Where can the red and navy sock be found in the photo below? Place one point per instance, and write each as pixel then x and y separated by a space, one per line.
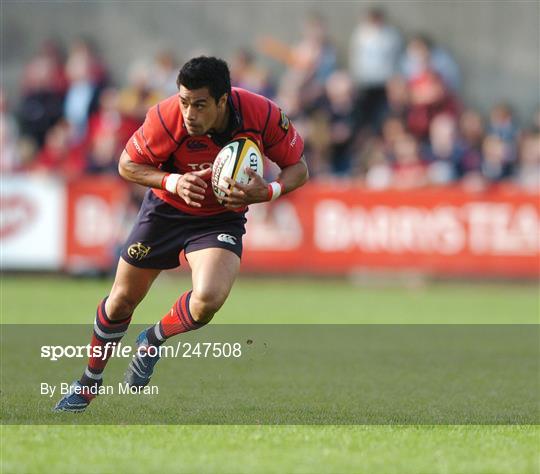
pixel 107 334
pixel 176 321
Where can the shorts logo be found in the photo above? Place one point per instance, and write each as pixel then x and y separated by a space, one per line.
pixel 138 251
pixel 229 239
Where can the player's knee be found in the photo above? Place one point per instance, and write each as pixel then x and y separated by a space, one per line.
pixel 204 304
pixel 120 305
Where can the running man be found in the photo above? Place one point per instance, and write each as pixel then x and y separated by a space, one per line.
pixel 172 154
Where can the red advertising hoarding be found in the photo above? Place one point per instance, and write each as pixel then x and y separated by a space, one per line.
pixel 338 229
pixel 320 229
pixel 95 215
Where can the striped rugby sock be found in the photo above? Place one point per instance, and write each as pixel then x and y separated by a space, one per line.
pixel 105 331
pixel 176 321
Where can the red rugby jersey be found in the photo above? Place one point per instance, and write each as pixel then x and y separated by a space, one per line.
pixel 163 141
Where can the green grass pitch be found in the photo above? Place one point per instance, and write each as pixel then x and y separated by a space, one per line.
pixel 275 449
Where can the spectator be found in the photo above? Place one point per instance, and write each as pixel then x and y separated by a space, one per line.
pixel 378 152
pixel 397 97
pixel 429 98
pixel 318 144
pixel 315 54
pixel 49 58
pixel 164 72
pixel 408 171
pixel 107 118
pixel 86 75
pixel 375 47
pixel 58 157
pixel 108 131
pixel 103 153
pixel 247 75
pixel 309 63
pixel 471 133
pixel 495 165
pixel 503 125
pixel 138 96
pixel 379 173
pixel 471 129
pixel 419 48
pixel 528 175
pixel 301 91
pixel 430 93
pixel 43 89
pixel 444 152
pixel 341 121
pixel 393 128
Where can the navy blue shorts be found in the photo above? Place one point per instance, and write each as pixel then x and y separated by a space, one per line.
pixel 161 232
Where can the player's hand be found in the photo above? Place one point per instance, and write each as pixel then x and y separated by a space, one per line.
pixel 241 195
pixel 191 187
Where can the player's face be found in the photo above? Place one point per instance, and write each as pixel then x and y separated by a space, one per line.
pixel 200 110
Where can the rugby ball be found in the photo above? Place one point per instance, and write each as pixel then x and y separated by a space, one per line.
pixel 231 162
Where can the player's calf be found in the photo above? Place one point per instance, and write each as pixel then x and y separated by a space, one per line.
pixel 106 334
pixel 178 320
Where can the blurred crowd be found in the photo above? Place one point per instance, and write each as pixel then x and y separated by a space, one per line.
pixel 390 115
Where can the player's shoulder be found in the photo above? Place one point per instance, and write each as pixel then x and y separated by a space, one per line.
pixel 249 97
pixel 253 108
pixel 166 118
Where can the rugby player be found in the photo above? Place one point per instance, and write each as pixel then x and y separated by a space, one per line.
pixel 172 154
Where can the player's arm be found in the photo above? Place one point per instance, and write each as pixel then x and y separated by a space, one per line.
pixel 285 147
pixel 189 186
pixel 293 176
pixel 148 148
pixel 140 173
pixel 258 190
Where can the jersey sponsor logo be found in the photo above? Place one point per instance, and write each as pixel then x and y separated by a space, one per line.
pixel 196 145
pixel 284 121
pixel 138 251
pixel 137 146
pixel 199 166
pixel 227 238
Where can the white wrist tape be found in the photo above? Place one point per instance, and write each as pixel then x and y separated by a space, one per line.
pixel 276 190
pixel 171 182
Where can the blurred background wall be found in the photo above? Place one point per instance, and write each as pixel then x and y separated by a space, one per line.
pixel 495 43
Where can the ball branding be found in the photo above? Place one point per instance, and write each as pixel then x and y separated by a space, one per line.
pixel 232 161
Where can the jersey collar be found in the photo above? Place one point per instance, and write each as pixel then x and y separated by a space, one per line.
pixel 235 123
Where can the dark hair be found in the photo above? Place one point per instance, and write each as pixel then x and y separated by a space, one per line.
pixel 377 14
pixel 424 39
pixel 208 72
